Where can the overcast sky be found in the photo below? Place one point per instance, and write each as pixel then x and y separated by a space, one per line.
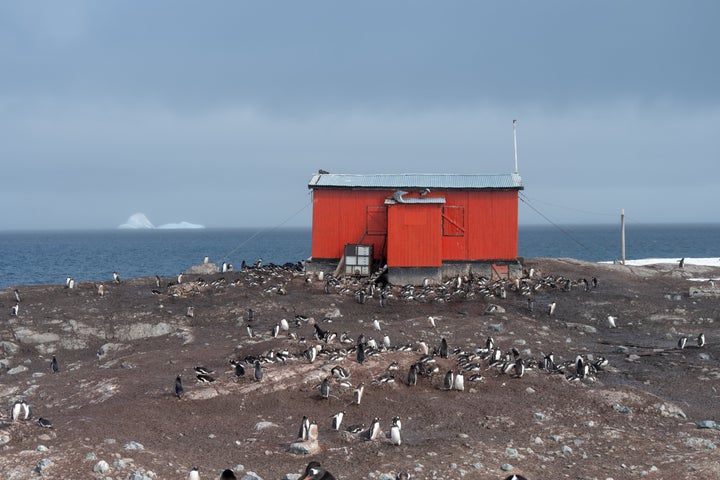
pixel 218 113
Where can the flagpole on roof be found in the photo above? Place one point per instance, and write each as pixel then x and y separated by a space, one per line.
pixel 515 142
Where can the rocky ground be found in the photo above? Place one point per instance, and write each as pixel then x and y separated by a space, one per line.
pixel 649 413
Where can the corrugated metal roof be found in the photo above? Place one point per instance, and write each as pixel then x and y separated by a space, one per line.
pixel 416 180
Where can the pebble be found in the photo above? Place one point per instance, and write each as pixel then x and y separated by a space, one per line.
pixel 4 439
pixel 251 476
pixel 566 450
pixel 530 390
pixel 589 423
pixel 133 445
pixel 620 409
pixel 90 456
pixel 101 467
pixel 707 424
pixel 506 467
pixel 43 465
pixel 498 327
pixel 511 451
pixel 42 448
pixel 539 416
pixel 264 425
pixel 555 438
pixel 704 356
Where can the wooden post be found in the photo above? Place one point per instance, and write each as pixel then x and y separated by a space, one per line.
pixel 622 234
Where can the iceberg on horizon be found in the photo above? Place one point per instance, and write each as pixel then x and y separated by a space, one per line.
pixel 137 220
pixel 182 224
pixel 140 221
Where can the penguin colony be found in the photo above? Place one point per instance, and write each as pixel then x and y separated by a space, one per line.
pixel 328 347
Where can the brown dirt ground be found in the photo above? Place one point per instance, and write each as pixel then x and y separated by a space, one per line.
pixel 99 405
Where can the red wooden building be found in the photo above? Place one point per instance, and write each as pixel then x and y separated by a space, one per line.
pixel 423 226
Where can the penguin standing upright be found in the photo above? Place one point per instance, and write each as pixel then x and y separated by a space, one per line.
pixel 116 277
pixel 358 393
pixel 412 375
pixel 448 380
pixel 443 348
pixel 16 411
pixel 54 365
pixel 701 340
pixel 194 474
pixel 178 387
pixel 337 420
pixel 395 434
pixel 374 430
pixel 360 353
pixel 258 371
pixel 682 342
pixel 17 295
pixel 15 309
pixel 312 435
pixel 459 382
pixel 325 388
pixel 304 429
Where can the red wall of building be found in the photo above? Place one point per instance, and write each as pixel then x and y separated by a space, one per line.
pixel 488 230
pixel 340 217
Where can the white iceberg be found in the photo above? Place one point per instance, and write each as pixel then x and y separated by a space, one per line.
pixel 140 221
pixel 137 220
pixel 181 225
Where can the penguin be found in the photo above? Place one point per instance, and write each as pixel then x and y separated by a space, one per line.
pixel 15 310
pixel 515 477
pixel 443 348
pixel 258 371
pixel 376 325
pixel 284 326
pixel 44 422
pixel 531 304
pixel 681 264
pixel 431 321
pixel 448 380
pixel 116 277
pixel 224 267
pixel 26 414
pixel 310 354
pixel 204 378
pixel 459 382
pixel 325 388
pixel 203 370
pixel 360 353
pixel 395 435
pixel 315 472
pixel 396 421
pixel 250 331
pixel 157 281
pixel 519 367
pixel 17 295
pixel 228 475
pixel 551 309
pixel 701 340
pixel 16 411
pixel 194 474
pixel 611 322
pixel 412 375
pixel 374 431
pixel 358 393
pixel 239 369
pixel 682 342
pixel 386 341
pixel 101 289
pixel 312 435
pixel 71 284
pixel 423 348
pixel 402 476
pixel 180 280
pixel 337 420
pixel 178 387
pixel 190 312
pixel 54 365
pixel 304 429
pixel 276 330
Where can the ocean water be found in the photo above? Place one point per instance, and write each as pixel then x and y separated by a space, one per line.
pixel 32 258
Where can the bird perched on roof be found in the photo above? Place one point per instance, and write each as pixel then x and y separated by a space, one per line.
pixel 315 472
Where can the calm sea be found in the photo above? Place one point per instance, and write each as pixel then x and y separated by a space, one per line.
pixel 30 258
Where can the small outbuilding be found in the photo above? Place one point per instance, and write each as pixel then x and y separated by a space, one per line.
pixel 422 226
